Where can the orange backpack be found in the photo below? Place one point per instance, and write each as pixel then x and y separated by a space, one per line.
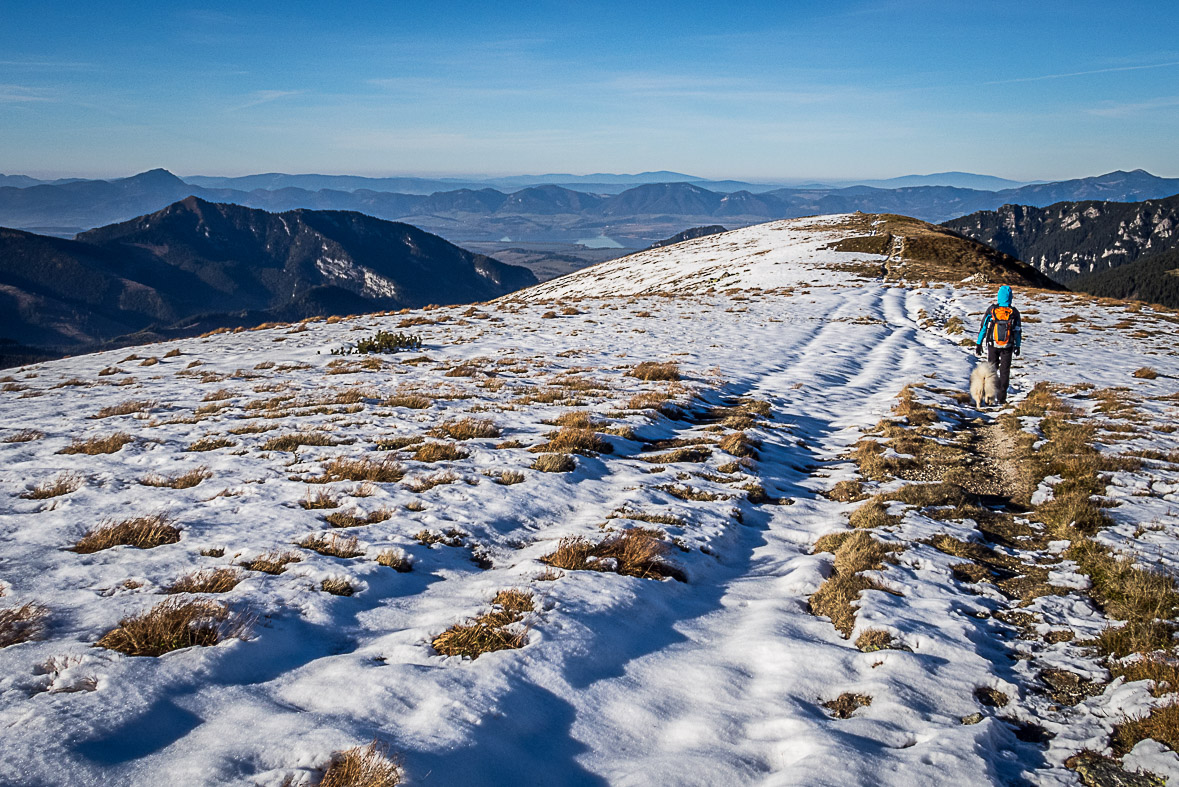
pixel 1001 333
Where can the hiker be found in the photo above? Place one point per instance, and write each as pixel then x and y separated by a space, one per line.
pixel 1002 331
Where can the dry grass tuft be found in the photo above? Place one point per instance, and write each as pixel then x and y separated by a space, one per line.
pixel 423 482
pixel 98 445
pixel 686 454
pixel 508 477
pixel 409 401
pixel 22 624
pixel 872 640
pixel 143 532
pixel 395 559
pixel 439 452
pixel 363 766
pixel 54 487
pixel 272 562
pixel 451 538
pixel 1161 670
pixel 554 463
pixel 1146 373
pixel 573 440
pixel 1161 724
pixel 210 444
pixel 25 436
pixel 843 706
pixel 635 552
pixel 337 586
pixel 185 480
pixel 466 429
pixel 382 472
pixel 651 370
pixel 514 600
pixel 872 514
pixel 578 419
pixel 488 632
pixel 323 499
pixel 295 440
pixel 126 408
pixel 739 444
pixel 332 544
pixel 846 492
pixel 340 519
pixel 209 580
pixel 857 552
pixel 171 625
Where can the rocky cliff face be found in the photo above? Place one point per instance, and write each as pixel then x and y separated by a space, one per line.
pixel 1073 239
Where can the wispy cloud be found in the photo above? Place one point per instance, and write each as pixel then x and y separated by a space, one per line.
pixel 1123 110
pixel 1069 74
pixel 21 94
pixel 264 97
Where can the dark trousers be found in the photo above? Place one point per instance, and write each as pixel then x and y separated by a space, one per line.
pixel 1000 358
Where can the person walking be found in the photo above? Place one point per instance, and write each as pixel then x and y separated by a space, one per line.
pixel 1003 333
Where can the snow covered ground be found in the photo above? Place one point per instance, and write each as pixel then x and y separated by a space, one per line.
pixel 719 679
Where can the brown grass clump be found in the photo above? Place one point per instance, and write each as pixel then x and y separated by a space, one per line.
pixel 488 632
pixel 1161 670
pixel 635 552
pixel 872 514
pixel 337 586
pixel 409 401
pixel 843 706
pixel 382 472
pixel 340 519
pixel 508 477
pixel 869 457
pixel 857 552
pixel 98 445
pixel 846 492
pixel 466 429
pixel 332 544
pixel 439 452
pixel 143 532
pixel 739 444
pixel 210 444
pixel 686 454
pixel 578 419
pixel 323 499
pixel 295 440
pixel 1161 724
pixel 396 560
pixel 55 487
pixel 514 600
pixel 651 370
pixel 272 562
pixel 451 538
pixel 573 440
pixel 873 640
pixel 210 580
pixel 1146 373
pixel 363 766
pixel 915 412
pixel 25 436
pixel 171 625
pixel 554 463
pixel 651 400
pixel 125 408
pixel 185 480
pixel 831 542
pixel 22 624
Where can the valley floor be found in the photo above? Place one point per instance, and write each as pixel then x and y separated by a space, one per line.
pixel 726 677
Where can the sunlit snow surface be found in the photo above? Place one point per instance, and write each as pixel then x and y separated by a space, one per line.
pixel 716 681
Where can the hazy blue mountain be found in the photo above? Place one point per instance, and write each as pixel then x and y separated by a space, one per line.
pixel 196 265
pixel 961 180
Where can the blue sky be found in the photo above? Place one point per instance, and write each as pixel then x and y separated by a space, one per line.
pixel 753 90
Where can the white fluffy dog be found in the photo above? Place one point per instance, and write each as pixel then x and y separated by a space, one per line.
pixel 984 384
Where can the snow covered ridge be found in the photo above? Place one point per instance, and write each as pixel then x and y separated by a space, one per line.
pixel 836 249
pixel 247 454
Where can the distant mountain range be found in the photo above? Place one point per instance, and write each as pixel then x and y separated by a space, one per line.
pixel 195 265
pixel 638 216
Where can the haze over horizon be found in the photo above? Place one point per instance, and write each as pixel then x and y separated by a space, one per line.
pixel 768 92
